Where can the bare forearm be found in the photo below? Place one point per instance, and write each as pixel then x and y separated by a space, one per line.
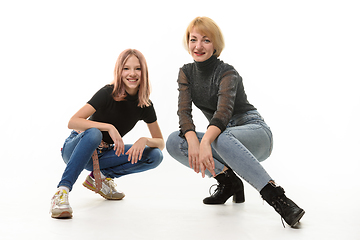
pixel 84 124
pixel 155 143
pixel 80 120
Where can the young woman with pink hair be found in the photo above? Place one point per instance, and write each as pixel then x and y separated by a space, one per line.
pixel 96 143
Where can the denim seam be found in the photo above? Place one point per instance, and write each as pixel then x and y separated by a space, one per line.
pixel 231 138
pixel 270 136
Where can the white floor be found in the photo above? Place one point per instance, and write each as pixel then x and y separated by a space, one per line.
pixel 299 62
pixel 161 205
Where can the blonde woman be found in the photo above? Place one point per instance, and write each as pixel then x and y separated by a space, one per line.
pixel 96 142
pixel 237 138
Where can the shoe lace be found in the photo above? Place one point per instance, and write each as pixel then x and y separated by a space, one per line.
pixel 218 187
pixel 277 204
pixel 59 198
pixel 111 183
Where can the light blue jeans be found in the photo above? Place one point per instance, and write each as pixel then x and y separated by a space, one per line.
pixel 246 142
pixel 78 149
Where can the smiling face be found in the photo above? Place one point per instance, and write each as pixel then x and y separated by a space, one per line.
pixel 131 75
pixel 200 46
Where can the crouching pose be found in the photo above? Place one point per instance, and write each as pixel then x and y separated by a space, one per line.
pixel 237 138
pixel 96 142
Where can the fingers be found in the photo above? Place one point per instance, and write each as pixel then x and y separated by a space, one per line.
pixel 119 148
pixel 197 165
pixel 211 170
pixel 194 164
pixel 134 155
pixel 203 168
pixel 191 162
pixel 201 165
pixel 140 155
pixel 209 165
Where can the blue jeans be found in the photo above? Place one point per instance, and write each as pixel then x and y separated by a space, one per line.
pixel 78 149
pixel 246 141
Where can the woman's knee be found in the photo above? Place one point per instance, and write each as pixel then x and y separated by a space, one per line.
pixel 93 135
pixel 172 142
pixel 259 148
pixel 156 156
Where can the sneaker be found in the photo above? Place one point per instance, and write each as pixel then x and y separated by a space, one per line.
pixel 107 191
pixel 60 207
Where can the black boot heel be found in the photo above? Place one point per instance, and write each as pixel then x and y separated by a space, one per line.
pixel 239 197
pixel 229 185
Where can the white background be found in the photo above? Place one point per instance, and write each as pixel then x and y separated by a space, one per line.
pixel 300 64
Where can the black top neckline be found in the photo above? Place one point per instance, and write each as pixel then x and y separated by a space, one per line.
pixel 207 64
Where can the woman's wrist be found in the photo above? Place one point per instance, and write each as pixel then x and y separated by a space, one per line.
pixel 147 140
pixel 206 141
pixel 191 137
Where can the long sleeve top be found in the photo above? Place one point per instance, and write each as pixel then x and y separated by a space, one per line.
pixel 215 88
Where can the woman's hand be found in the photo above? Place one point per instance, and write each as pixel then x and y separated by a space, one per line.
pixel 119 146
pixel 136 151
pixel 193 150
pixel 206 160
pixel 80 122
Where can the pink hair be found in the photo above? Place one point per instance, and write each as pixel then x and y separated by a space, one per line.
pixel 144 88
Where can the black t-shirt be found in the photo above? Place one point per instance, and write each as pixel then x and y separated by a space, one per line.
pixel 122 114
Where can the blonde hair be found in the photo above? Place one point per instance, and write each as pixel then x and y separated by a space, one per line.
pixel 209 28
pixel 119 93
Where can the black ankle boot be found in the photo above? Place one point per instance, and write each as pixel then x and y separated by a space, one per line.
pixel 229 185
pixel 288 210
